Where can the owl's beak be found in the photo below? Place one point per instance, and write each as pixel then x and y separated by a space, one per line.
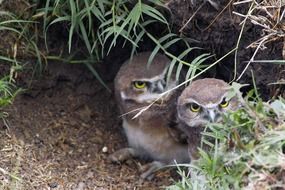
pixel 213 115
pixel 159 87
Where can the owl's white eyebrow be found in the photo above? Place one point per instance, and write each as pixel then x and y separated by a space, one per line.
pixel 155 78
pixel 210 105
pixel 158 77
pixel 190 100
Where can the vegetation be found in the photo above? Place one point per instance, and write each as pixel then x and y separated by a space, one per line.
pixel 247 150
pixel 103 25
pixel 13 30
pixel 7 93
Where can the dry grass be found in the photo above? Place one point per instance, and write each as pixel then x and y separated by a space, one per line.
pixel 269 16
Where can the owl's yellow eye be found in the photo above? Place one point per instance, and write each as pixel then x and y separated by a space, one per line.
pixel 195 107
pixel 224 103
pixel 139 84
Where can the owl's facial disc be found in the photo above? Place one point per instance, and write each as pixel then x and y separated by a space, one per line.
pixel 196 114
pixel 147 90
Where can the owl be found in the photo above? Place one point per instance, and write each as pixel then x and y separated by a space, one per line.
pixel 202 102
pixel 149 134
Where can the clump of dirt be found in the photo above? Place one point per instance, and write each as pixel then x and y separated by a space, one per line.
pixel 59 133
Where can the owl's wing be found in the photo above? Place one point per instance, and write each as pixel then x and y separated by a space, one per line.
pixel 177 134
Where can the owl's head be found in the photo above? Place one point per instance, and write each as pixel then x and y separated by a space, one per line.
pixel 137 85
pixel 204 101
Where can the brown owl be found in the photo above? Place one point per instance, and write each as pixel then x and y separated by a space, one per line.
pixel 149 134
pixel 200 103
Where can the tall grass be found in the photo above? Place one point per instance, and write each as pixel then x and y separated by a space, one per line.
pixel 11 28
pixel 104 24
pixel 8 92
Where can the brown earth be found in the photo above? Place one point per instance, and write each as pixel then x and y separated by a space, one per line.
pixel 56 132
pixel 217 31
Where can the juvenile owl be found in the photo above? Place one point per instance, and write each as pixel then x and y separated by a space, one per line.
pixel 200 103
pixel 149 135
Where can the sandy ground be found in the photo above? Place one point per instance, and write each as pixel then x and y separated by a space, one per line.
pixel 55 135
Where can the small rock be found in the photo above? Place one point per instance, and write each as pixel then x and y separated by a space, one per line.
pixel 105 149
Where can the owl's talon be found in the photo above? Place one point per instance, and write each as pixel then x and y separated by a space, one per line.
pixel 149 169
pixel 122 155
